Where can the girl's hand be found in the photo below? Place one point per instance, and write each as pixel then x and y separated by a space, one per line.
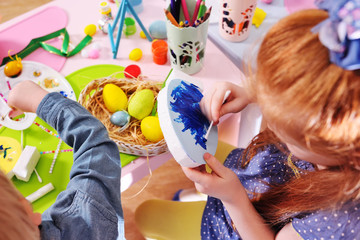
pixel 212 102
pixel 221 183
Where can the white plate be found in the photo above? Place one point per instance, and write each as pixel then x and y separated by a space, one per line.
pixel 38 73
pixel 46 77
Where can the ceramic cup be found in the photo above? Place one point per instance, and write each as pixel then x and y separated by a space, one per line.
pixel 236 19
pixel 187 44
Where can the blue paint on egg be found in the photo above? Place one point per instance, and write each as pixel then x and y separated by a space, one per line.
pixel 157 29
pixel 120 118
pixel 187 97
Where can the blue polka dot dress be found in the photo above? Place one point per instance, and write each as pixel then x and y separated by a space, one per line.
pixel 270 167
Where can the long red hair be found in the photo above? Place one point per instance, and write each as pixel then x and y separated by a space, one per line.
pixel 314 103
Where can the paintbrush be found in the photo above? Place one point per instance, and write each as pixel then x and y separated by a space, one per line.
pixel 227 93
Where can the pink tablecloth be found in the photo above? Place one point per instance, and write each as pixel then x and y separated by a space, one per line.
pixel 80 13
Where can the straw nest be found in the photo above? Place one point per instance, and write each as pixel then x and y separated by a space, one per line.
pixel 130 140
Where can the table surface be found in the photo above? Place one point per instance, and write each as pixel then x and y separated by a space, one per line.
pixel 244 52
pixel 80 13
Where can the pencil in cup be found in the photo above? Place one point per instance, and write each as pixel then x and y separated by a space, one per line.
pixel 202 9
pixel 194 21
pixel 203 18
pixel 171 18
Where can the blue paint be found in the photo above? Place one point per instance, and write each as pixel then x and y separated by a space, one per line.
pixel 186 103
pixel 64 93
pixel 4 150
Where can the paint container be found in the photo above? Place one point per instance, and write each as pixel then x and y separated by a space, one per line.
pixel 159 49
pixel 187 44
pixel 106 17
pixel 129 26
pixel 137 6
pixel 236 19
pixel 105 10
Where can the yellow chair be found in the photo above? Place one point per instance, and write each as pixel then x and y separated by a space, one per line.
pixel 172 220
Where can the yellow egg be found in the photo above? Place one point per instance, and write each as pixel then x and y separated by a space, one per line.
pixel 114 98
pixel 13 68
pixel 135 54
pixel 141 104
pixel 150 128
pixel 142 35
pixel 90 30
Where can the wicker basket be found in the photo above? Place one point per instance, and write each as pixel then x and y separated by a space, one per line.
pixel 130 140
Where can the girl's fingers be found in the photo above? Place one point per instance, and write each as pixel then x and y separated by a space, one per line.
pixel 216 166
pixel 194 174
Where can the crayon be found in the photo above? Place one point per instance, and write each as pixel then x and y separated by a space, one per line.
pixel 171 18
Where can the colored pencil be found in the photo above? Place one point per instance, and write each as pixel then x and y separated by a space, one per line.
pixel 171 18
pixel 196 23
pixel 186 24
pixel 173 8
pixel 202 9
pixel 196 11
pixel 185 10
pixel 203 18
pixel 177 10
pixel 206 15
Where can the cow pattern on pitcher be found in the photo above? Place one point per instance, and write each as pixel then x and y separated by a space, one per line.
pixel 231 24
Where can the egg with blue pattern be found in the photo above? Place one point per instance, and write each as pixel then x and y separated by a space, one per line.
pixel 120 118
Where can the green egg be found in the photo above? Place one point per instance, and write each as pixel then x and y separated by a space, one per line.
pixel 141 104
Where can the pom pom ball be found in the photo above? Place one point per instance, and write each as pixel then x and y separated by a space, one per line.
pixel 132 71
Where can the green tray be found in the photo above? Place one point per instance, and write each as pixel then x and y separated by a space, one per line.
pixel 35 136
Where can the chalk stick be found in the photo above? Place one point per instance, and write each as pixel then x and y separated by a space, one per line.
pixel 40 192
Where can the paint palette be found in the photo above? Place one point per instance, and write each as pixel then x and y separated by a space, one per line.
pixel 46 77
pixel 183 124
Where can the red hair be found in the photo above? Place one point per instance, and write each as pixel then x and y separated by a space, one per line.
pixel 314 103
pixel 15 222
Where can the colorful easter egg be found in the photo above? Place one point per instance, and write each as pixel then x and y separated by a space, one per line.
pixel 150 128
pixel 90 30
pixel 141 104
pixel 120 118
pixel 13 68
pixel 114 98
pixel 135 54
pixel 157 29
pixel 142 35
